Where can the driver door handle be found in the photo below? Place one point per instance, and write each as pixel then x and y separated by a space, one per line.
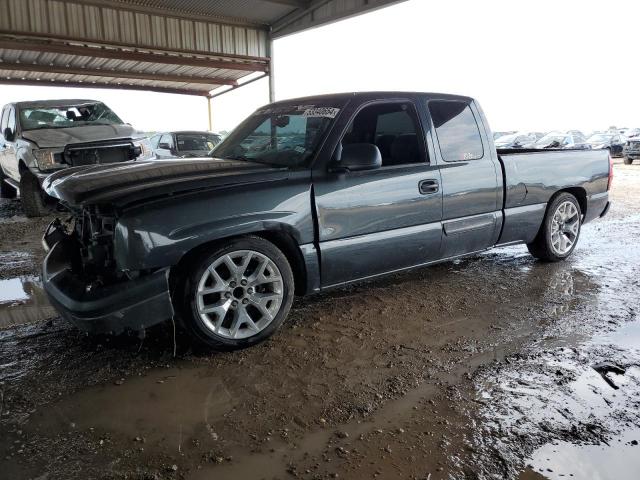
pixel 428 186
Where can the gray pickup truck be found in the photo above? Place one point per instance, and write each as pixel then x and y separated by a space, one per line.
pixel 40 137
pixel 306 195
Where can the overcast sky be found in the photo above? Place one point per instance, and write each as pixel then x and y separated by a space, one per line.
pixel 537 65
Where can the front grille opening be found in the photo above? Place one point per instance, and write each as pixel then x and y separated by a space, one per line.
pixel 96 156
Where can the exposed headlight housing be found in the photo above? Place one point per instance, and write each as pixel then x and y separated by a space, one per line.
pixel 146 149
pixel 46 160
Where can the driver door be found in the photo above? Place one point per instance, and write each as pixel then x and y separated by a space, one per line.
pixel 378 221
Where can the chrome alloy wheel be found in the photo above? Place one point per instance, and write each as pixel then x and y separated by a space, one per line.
pixel 565 227
pixel 239 294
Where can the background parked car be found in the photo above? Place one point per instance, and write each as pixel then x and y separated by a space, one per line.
pixel 40 137
pixel 184 144
pixel 632 132
pixel 517 140
pixel 502 134
pixel 612 142
pixel 562 141
pixel 631 150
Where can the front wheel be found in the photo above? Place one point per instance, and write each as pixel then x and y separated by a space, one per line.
pixel 237 295
pixel 32 196
pixel 628 161
pixel 560 230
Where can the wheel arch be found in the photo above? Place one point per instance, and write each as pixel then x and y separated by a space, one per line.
pixel 578 192
pixel 282 239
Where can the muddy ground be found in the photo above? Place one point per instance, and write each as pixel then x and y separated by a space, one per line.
pixel 492 367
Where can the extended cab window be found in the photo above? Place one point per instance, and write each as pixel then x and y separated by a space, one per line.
pixel 457 130
pixel 393 128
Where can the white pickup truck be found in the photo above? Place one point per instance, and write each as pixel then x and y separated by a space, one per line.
pixel 40 137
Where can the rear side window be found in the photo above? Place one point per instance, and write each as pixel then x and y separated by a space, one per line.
pixel 457 130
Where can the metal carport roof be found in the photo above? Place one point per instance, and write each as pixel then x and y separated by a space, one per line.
pixel 177 46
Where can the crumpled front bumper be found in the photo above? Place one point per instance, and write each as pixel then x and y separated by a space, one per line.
pixel 130 305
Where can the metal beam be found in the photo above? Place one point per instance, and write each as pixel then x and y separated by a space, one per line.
pixel 214 95
pixel 287 25
pixel 59 83
pixel 21 35
pixel 129 55
pixel 92 72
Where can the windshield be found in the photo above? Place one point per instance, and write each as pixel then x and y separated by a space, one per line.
pixel 281 135
pixel 599 138
pixel 67 116
pixel 201 142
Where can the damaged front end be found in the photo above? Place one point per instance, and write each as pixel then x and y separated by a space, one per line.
pixel 86 286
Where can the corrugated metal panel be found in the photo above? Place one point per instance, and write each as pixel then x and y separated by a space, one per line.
pixel 72 19
pixel 175 45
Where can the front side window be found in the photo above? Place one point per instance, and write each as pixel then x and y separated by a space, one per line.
pixel 66 116
pixel 393 128
pixel 281 135
pixel 457 130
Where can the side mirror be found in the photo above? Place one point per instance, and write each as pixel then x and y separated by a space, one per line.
pixel 8 135
pixel 164 146
pixel 359 156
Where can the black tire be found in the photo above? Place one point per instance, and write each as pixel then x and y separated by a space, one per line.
pixel 190 280
pixel 628 161
pixel 542 246
pixel 6 190
pixel 32 196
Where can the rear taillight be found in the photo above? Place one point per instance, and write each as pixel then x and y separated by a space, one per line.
pixel 610 173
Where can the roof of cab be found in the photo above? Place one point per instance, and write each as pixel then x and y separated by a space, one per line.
pixel 373 95
pixel 53 103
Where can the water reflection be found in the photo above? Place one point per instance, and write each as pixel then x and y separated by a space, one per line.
pixel 22 300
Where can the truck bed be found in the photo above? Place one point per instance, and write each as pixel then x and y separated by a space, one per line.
pixel 532 177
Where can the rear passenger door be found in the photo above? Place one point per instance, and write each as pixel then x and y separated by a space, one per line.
pixel 471 178
pixel 377 221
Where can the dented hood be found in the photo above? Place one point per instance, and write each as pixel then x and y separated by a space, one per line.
pixel 61 137
pixel 124 183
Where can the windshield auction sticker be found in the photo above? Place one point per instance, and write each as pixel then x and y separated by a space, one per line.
pixel 321 112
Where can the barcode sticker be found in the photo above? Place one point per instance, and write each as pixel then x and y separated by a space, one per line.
pixel 321 112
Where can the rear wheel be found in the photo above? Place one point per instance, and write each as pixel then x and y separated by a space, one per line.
pixel 560 230
pixel 32 196
pixel 6 190
pixel 628 161
pixel 237 295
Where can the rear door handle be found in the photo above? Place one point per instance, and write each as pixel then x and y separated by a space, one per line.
pixel 428 186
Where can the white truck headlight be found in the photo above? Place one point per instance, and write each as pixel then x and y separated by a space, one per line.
pixel 145 147
pixel 46 160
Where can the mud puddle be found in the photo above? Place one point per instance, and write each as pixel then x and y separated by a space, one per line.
pixel 619 460
pixel 22 301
